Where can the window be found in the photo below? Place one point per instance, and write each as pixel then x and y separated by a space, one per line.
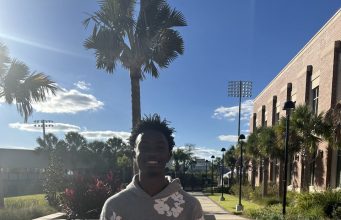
pixel 315 103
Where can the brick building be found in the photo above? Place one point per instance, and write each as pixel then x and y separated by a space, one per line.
pixel 312 77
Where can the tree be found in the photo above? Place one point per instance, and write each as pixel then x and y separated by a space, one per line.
pixel 141 43
pixel 54 181
pixel 230 160
pixel 76 146
pixel 267 142
pixel 310 127
pixel 333 122
pixel 182 159
pixel 252 154
pixel 18 85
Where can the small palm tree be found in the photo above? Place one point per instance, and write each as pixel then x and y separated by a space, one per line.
pixel 140 43
pixel 18 85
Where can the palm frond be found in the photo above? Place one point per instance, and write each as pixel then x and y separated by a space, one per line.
pixel 167 45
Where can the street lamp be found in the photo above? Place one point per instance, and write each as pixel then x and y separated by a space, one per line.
pixel 239 207
pixel 288 105
pixel 222 176
pixel 212 157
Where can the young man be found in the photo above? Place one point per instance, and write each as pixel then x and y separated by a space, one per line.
pixel 150 196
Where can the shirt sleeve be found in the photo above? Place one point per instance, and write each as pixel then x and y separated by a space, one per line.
pixel 198 213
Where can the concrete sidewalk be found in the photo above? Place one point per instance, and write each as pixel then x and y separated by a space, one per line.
pixel 212 211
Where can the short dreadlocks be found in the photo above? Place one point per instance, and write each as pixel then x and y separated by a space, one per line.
pixel 153 122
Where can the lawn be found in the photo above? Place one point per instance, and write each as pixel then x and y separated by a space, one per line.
pixel 231 201
pixel 25 207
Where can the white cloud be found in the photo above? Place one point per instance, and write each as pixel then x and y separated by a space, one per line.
pixel 103 135
pixel 231 113
pixel 61 127
pixel 246 131
pixel 82 85
pixel 228 138
pixel 68 101
pixel 57 127
pixel 203 152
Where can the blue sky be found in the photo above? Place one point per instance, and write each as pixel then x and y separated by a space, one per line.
pixel 224 41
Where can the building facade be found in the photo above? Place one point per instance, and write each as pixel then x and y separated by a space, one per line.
pixel 312 77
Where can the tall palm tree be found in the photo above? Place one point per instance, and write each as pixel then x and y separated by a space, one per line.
pixel 333 135
pixel 252 154
pixel 310 128
pixel 267 142
pixel 141 43
pixel 18 85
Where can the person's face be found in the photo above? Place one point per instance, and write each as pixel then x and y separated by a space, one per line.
pixel 152 152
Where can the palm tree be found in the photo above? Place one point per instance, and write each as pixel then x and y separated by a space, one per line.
pixel 333 120
pixel 18 85
pixel 76 147
pixel 182 158
pixel 310 128
pixel 267 142
pixel 141 43
pixel 230 160
pixel 333 134
pixel 252 154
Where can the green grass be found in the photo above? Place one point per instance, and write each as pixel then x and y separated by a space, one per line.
pixel 25 207
pixel 231 201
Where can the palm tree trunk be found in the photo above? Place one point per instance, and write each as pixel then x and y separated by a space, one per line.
pixel 265 176
pixel 253 174
pixel 135 96
pixel 135 103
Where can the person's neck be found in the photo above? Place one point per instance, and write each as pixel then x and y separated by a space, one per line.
pixel 152 185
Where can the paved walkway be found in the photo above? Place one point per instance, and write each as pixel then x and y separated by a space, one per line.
pixel 212 211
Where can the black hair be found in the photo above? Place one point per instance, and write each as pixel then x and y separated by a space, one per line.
pixel 153 122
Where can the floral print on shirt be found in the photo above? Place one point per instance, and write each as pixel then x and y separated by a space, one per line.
pixel 174 209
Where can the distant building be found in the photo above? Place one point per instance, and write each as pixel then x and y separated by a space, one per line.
pixel 312 77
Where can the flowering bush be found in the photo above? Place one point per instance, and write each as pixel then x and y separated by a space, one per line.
pixel 85 196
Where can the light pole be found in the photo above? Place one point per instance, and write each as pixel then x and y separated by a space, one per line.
pixel 43 123
pixel 288 105
pixel 212 157
pixel 239 207
pixel 206 177
pixel 222 176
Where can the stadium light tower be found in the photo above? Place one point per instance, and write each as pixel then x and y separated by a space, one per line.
pixel 43 123
pixel 239 89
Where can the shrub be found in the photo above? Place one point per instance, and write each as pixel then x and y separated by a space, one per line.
pixel 85 196
pixel 328 201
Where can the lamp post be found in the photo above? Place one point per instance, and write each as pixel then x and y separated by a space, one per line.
pixel 288 105
pixel 206 177
pixel 239 207
pixel 212 157
pixel 222 176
